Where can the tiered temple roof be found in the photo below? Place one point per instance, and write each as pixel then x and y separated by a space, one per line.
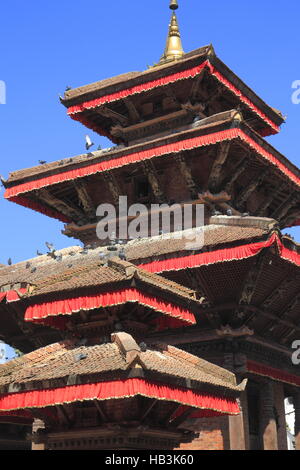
pixel 187 130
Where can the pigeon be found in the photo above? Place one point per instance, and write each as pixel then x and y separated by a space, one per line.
pixel 99 147
pixel 50 246
pixel 122 255
pixel 88 142
pixel 246 214
pixel 42 162
pixel 216 213
pixel 27 265
pixel 38 253
pixel 33 270
pixel 229 212
pixel 58 258
pixel 80 357
pixel 9 262
pixel 68 88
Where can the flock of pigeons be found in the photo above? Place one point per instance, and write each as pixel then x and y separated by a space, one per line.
pixel 115 248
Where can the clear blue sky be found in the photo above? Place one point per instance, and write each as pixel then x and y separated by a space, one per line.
pixel 46 46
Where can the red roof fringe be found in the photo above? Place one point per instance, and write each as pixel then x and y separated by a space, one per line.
pixel 12 295
pixel 117 389
pixel 14 192
pixel 266 371
pixel 41 312
pixel 185 74
pixel 221 256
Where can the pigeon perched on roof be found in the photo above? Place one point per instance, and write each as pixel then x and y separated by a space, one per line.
pixel 42 162
pixel 9 262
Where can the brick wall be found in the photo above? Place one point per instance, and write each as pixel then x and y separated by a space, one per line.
pixel 214 435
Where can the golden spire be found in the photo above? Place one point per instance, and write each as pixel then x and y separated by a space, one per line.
pixel 173 48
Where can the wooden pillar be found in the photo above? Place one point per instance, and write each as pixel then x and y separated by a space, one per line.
pixel 296 399
pixel 36 426
pixel 281 421
pixel 268 418
pixel 237 430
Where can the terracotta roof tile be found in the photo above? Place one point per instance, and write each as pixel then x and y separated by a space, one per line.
pixel 61 360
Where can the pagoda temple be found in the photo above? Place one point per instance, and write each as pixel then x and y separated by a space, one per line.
pixel 142 343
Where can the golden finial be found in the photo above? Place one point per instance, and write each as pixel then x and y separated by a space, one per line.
pixel 174 48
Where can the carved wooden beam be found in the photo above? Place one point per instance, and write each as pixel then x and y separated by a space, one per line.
pixel 284 208
pixel 256 181
pixel 286 311
pixel 170 94
pixel 186 172
pixel 101 411
pixel 85 199
pixel 194 109
pixel 117 131
pixel 196 85
pixel 290 218
pixel 132 110
pixel 241 167
pixel 272 195
pixel 154 182
pixel 214 95
pixel 279 292
pixel 258 311
pixel 251 280
pixel 215 173
pixel 107 112
pixel 64 208
pixel 148 410
pixel 62 415
pixel 180 419
pixel 113 186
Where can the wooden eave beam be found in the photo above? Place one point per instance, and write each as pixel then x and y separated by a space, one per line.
pixel 107 112
pixel 148 410
pixel 215 174
pixel 100 411
pixel 286 311
pixel 186 172
pixel 268 201
pixel 64 208
pixel 241 167
pixel 132 110
pixel 150 172
pixel 255 182
pixel 113 186
pixel 286 205
pixel 178 421
pixel 271 316
pixel 196 85
pixel 85 199
pixel 120 131
pixel 251 281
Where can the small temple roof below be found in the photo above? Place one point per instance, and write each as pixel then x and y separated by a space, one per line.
pixel 65 373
